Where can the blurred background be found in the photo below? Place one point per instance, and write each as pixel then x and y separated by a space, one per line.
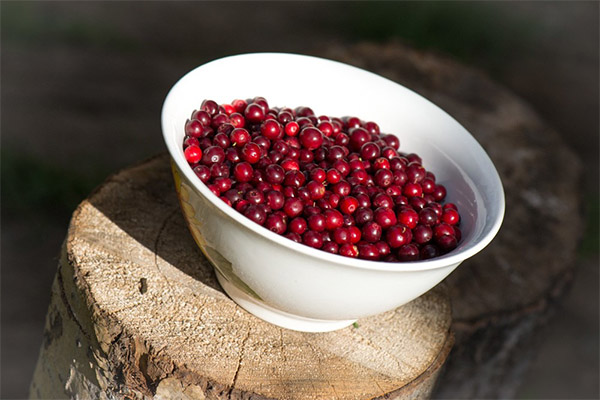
pixel 82 85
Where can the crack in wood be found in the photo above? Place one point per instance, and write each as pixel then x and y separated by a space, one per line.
pixel 239 364
pixel 156 243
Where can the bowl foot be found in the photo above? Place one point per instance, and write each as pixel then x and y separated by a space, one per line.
pixel 277 317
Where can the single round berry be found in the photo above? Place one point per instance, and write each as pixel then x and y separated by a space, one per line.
pixel 254 113
pixel 368 251
pixel 275 199
pixel 239 136
pixel 276 223
pixel 312 239
pixel 333 219
pixel 213 155
pixel 348 204
pixel 310 138
pixel 429 251
pixel 427 216
pixel 193 154
pixel 251 152
pixel 450 216
pixel 348 250
pixel 271 129
pixel 422 234
pixel 256 214
pixel 330 247
pixel 398 235
pixel 274 173
pixel 385 217
pixel 408 217
pixel 370 151
pixel 293 207
pixel 243 172
pixel 371 232
pixel 202 172
pixel 298 225
pixel 408 252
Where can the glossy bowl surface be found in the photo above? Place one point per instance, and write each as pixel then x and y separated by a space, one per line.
pixel 295 286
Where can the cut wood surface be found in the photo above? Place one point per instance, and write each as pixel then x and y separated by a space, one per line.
pixel 137 312
pixel 505 294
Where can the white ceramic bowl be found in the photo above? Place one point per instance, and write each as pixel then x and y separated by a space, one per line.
pixel 293 285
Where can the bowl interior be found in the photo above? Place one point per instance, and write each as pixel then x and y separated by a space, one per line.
pixel 335 89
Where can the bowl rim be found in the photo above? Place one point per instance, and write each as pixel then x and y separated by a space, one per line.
pixel 451 258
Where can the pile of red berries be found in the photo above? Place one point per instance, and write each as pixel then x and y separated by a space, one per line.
pixel 335 184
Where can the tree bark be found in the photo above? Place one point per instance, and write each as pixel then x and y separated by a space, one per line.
pixel 136 312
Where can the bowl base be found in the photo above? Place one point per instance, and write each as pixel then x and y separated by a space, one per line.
pixel 277 317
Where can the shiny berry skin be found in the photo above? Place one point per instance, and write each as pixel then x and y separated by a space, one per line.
pixel 193 154
pixel 408 217
pixel 363 215
pixel 381 163
pixel 310 138
pixel 368 251
pixel 202 172
pixel 415 172
pixel 371 232
pixel 294 178
pixel 316 190
pixel 318 175
pixel 243 172
pixel 383 177
pixel 256 214
pixel 254 113
pixel 355 234
pixel 239 136
pixel 276 223
pixel 398 235
pixel 271 129
pixel 330 247
pixel 370 151
pixel 383 248
pixel 439 193
pixel 348 204
pixel 274 173
pixel 333 219
pixel 450 216
pixel 385 217
pixel 293 207
pixel 298 225
pixel 213 155
pixel 194 128
pixel 427 216
pixel 408 252
pixel 312 239
pixel 251 152
pixel 275 199
pixel 255 196
pixel 358 137
pixel 443 229
pixel 422 234
pixel 348 250
pixel 412 190
pixel 341 235
pixel 316 222
pixel 446 243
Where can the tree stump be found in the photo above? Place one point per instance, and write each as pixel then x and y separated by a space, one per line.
pixel 505 294
pixel 136 312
